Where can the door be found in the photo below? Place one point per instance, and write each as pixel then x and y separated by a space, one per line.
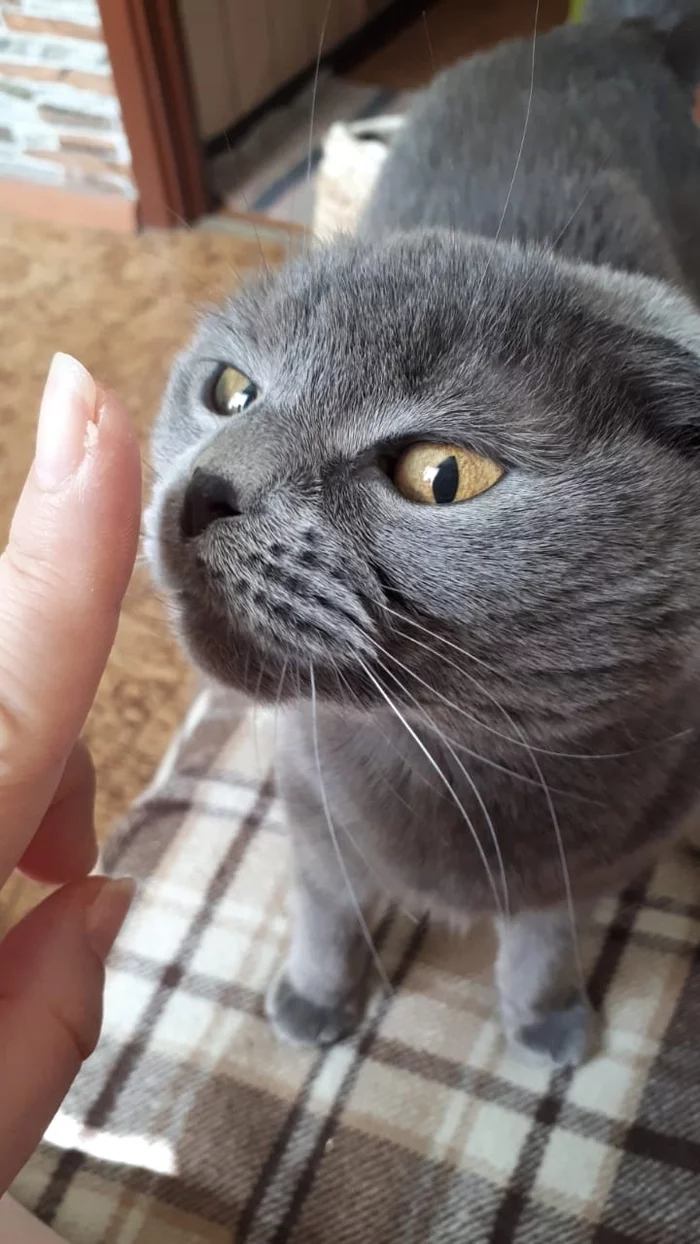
pixel 149 64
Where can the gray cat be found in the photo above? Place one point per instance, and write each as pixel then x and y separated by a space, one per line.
pixel 437 490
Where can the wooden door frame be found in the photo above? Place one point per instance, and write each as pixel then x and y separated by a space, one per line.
pixel 152 79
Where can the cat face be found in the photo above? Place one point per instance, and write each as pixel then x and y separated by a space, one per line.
pixel 304 434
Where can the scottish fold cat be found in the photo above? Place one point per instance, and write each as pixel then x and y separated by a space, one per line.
pixel 435 489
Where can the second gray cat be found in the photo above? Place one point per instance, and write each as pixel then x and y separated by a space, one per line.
pixel 437 488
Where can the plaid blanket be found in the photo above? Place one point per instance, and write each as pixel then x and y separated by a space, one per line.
pixel 191 1123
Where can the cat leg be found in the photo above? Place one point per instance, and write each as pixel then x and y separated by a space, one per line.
pixel 546 1015
pixel 318 997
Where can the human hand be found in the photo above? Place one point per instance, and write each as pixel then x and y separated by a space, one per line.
pixel 62 579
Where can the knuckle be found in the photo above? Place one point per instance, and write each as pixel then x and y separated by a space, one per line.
pixel 56 1026
pixel 82 1037
pixel 16 760
pixel 28 742
pixel 26 749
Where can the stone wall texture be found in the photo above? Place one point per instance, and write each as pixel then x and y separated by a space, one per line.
pixel 60 121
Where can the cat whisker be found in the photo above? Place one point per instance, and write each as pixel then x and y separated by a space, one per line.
pixel 568 223
pixel 246 202
pixel 336 845
pixel 314 96
pixel 246 671
pixel 369 866
pixel 557 833
pixel 256 702
pixel 521 742
pixel 375 875
pixel 518 158
pixel 180 220
pixel 434 70
pixel 390 743
pixel 468 778
pixel 543 751
pixel 560 848
pixel 484 760
pixel 566 876
pixel 474 755
pixel 278 701
pixel 445 780
pixel 545 790
pixel 522 777
pixel 343 682
pixel 457 708
pixel 405 618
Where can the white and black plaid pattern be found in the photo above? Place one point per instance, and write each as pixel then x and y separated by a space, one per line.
pixel 191 1123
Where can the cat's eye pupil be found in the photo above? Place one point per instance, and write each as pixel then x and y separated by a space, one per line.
pixel 232 392
pixel 241 399
pixel 445 481
pixel 430 474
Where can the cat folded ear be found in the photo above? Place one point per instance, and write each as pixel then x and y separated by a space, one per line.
pixel 656 338
pixel 670 400
pixel 681 47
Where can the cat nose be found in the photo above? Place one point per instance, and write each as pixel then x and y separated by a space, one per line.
pixel 207 498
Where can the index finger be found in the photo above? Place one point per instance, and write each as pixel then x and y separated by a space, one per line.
pixel 62 578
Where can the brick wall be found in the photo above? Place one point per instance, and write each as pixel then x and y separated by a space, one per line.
pixel 60 121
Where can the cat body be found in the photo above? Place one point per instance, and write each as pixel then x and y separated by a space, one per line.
pixel 486 707
pixel 608 170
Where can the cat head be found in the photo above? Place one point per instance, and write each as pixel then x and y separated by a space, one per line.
pixel 438 470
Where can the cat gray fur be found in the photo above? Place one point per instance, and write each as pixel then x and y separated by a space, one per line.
pixel 554 687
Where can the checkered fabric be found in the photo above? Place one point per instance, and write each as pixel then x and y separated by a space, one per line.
pixel 191 1123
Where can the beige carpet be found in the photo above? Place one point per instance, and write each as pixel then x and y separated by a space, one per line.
pixel 123 305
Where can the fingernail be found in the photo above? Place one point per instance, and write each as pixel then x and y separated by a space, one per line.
pixel 66 421
pixel 107 913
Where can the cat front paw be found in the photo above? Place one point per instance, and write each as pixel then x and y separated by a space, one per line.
pixel 299 1021
pixel 564 1037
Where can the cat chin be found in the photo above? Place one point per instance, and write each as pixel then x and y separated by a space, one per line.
pixel 265 676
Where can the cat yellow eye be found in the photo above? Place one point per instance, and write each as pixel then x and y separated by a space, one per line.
pixel 443 474
pixel 232 392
